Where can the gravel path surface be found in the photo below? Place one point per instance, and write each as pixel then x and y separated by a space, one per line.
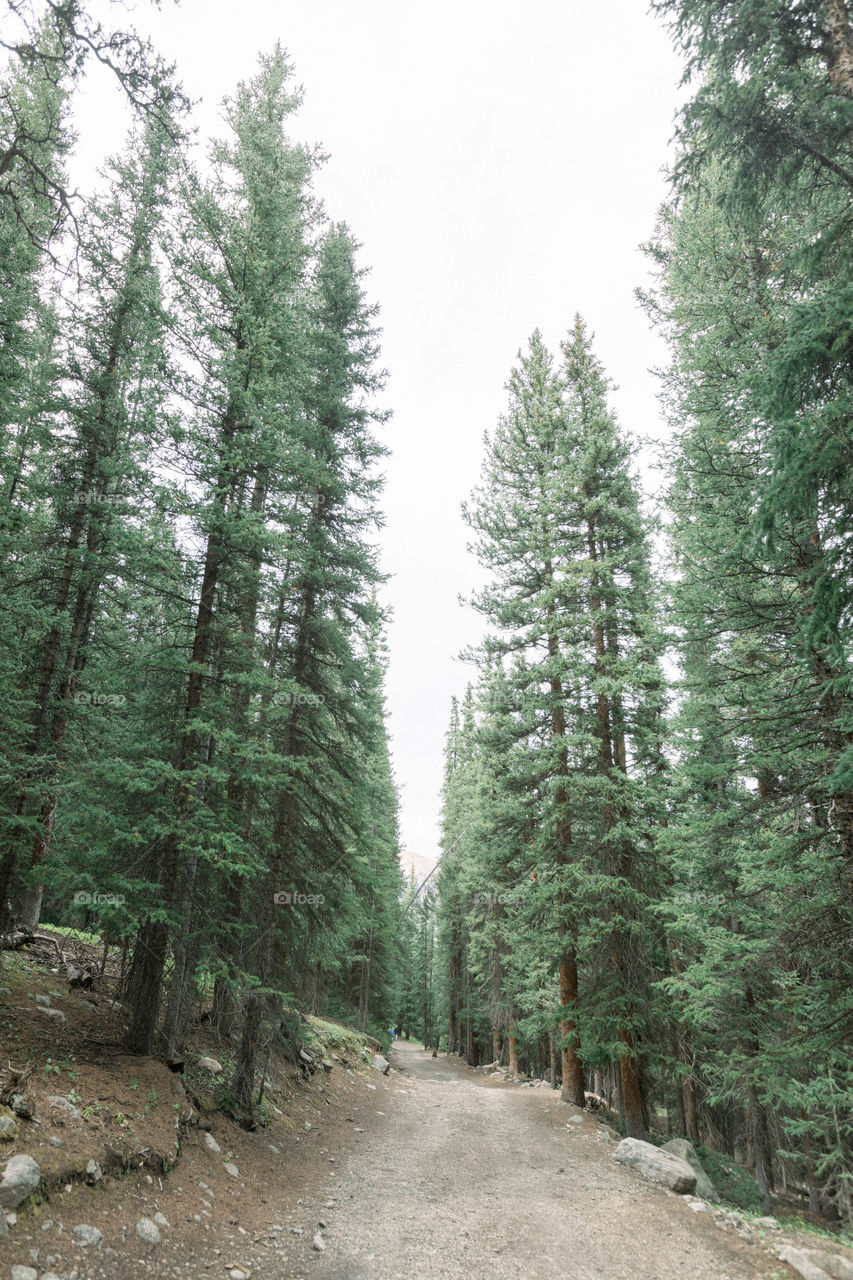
pixel 468 1178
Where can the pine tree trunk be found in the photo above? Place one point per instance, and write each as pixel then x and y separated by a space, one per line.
pixel 224 1013
pixel 145 984
pixel 632 1092
pixel 758 1132
pixel 688 1100
pixel 838 45
pixel 513 1047
pixel 152 938
pixel 452 1025
pixel 185 952
pixel 245 1067
pixel 497 981
pixel 572 1089
pixel 285 823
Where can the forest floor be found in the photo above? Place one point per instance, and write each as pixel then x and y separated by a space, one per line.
pixel 434 1171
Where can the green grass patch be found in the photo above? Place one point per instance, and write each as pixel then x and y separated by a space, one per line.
pixel 796 1222
pixel 735 1185
pixel 333 1035
pixel 80 935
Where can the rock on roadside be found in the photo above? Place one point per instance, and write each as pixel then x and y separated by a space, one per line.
pixel 20 1179
pixel 381 1064
pixel 657 1165
pixel 814 1264
pixel 148 1231
pixel 686 1151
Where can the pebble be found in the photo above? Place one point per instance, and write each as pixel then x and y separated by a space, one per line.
pixel 232 1169
pixel 211 1143
pixel 55 1015
pixel 62 1104
pixel 88 1235
pixel 24 1273
pixel 318 1243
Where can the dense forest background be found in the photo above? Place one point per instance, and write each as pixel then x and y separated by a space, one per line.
pixel 194 757
pixel 646 888
pixel 647 878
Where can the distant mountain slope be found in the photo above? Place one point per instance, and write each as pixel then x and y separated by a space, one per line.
pixel 417 862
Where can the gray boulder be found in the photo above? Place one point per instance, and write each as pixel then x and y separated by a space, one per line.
pixel 381 1064
pixel 803 1264
pixel 20 1180
pixel 657 1165
pixel 814 1264
pixel 687 1152
pixel 24 1273
pixel 23 1105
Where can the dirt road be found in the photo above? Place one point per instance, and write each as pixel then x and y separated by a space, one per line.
pixel 469 1178
pixel 435 1172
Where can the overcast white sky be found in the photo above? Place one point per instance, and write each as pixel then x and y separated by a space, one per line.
pixel 500 163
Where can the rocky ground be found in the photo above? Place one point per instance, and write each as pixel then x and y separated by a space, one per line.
pixel 433 1169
